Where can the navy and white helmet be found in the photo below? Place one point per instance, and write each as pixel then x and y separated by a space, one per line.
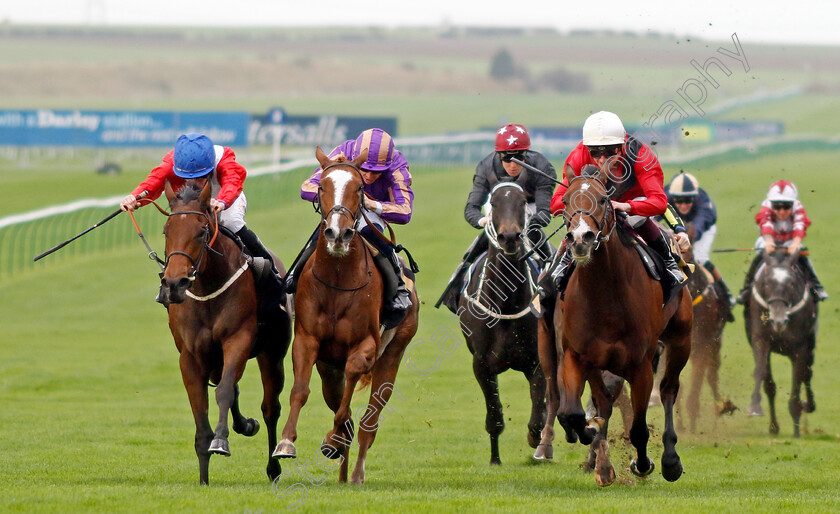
pixel 684 184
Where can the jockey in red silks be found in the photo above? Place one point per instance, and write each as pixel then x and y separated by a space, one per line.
pixel 195 157
pixel 636 179
pixel 388 196
pixel 782 222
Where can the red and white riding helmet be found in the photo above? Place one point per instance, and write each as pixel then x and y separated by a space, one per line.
pixel 512 138
pixel 782 191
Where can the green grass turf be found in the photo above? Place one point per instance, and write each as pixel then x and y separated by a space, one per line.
pixel 95 417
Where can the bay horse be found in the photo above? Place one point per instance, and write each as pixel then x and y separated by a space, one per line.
pixel 495 316
pixel 213 319
pixel 781 317
pixel 337 322
pixel 611 319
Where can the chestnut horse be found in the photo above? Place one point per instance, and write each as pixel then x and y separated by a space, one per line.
pixel 213 318
pixel 495 315
pixel 337 322
pixel 781 317
pixel 611 319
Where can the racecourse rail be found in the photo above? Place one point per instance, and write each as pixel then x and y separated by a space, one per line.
pixel 22 236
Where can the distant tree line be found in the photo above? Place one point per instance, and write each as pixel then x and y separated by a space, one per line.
pixel 503 68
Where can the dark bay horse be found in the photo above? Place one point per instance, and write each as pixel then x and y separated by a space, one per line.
pixel 781 317
pixel 337 322
pixel 495 315
pixel 213 318
pixel 611 319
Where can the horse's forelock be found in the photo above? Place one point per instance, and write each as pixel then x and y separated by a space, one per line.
pixel 188 193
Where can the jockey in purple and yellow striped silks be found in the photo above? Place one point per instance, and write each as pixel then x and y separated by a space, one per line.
pixel 391 187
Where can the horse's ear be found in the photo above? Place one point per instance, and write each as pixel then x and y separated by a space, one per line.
pixel 791 259
pixel 170 193
pixel 358 161
pixel 206 191
pixel 596 172
pixel 323 159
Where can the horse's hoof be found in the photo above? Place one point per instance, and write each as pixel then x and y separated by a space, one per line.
pixel 285 450
pixel 809 406
pixel 774 428
pixel 635 469
pixel 673 472
pixel 605 479
pixel 755 411
pixel 534 438
pixel 220 446
pixel 330 451
pixel 495 462
pixel 273 469
pixel 249 429
pixel 544 452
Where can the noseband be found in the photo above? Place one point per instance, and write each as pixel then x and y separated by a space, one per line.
pixel 609 214
pixel 195 263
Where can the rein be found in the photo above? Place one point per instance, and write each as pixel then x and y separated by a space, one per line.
pixel 346 289
pixel 475 301
pixel 195 263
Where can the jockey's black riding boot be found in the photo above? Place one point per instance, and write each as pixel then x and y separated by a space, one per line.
pixel 660 244
pixel 294 273
pixel 744 293
pixel 396 296
pixel 816 287
pixel 255 246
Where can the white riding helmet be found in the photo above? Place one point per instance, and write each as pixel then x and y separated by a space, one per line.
pixel 782 191
pixel 603 128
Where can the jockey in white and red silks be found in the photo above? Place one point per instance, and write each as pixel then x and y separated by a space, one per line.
pixel 782 222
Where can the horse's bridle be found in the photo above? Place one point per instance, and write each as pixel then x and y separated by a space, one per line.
pixel 490 228
pixel 195 263
pixel 765 303
pixel 341 209
pixel 609 214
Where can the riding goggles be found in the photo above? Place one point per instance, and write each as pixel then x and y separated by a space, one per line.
pixel 510 156
pixel 781 206
pixel 603 151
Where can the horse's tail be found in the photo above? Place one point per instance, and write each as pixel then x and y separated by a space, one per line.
pixel 364 381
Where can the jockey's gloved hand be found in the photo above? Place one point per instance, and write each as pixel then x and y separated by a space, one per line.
pixel 683 241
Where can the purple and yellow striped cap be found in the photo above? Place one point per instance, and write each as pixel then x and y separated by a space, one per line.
pixel 380 148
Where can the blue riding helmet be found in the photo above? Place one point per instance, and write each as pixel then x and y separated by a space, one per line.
pixel 194 156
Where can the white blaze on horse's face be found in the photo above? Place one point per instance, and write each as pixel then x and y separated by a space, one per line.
pixel 578 234
pixel 340 179
pixel 780 275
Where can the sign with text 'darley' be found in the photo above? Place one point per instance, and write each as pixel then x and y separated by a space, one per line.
pixel 53 127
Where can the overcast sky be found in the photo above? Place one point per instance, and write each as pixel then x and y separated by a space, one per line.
pixel 805 21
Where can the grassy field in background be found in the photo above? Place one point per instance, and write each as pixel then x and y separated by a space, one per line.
pixel 96 418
